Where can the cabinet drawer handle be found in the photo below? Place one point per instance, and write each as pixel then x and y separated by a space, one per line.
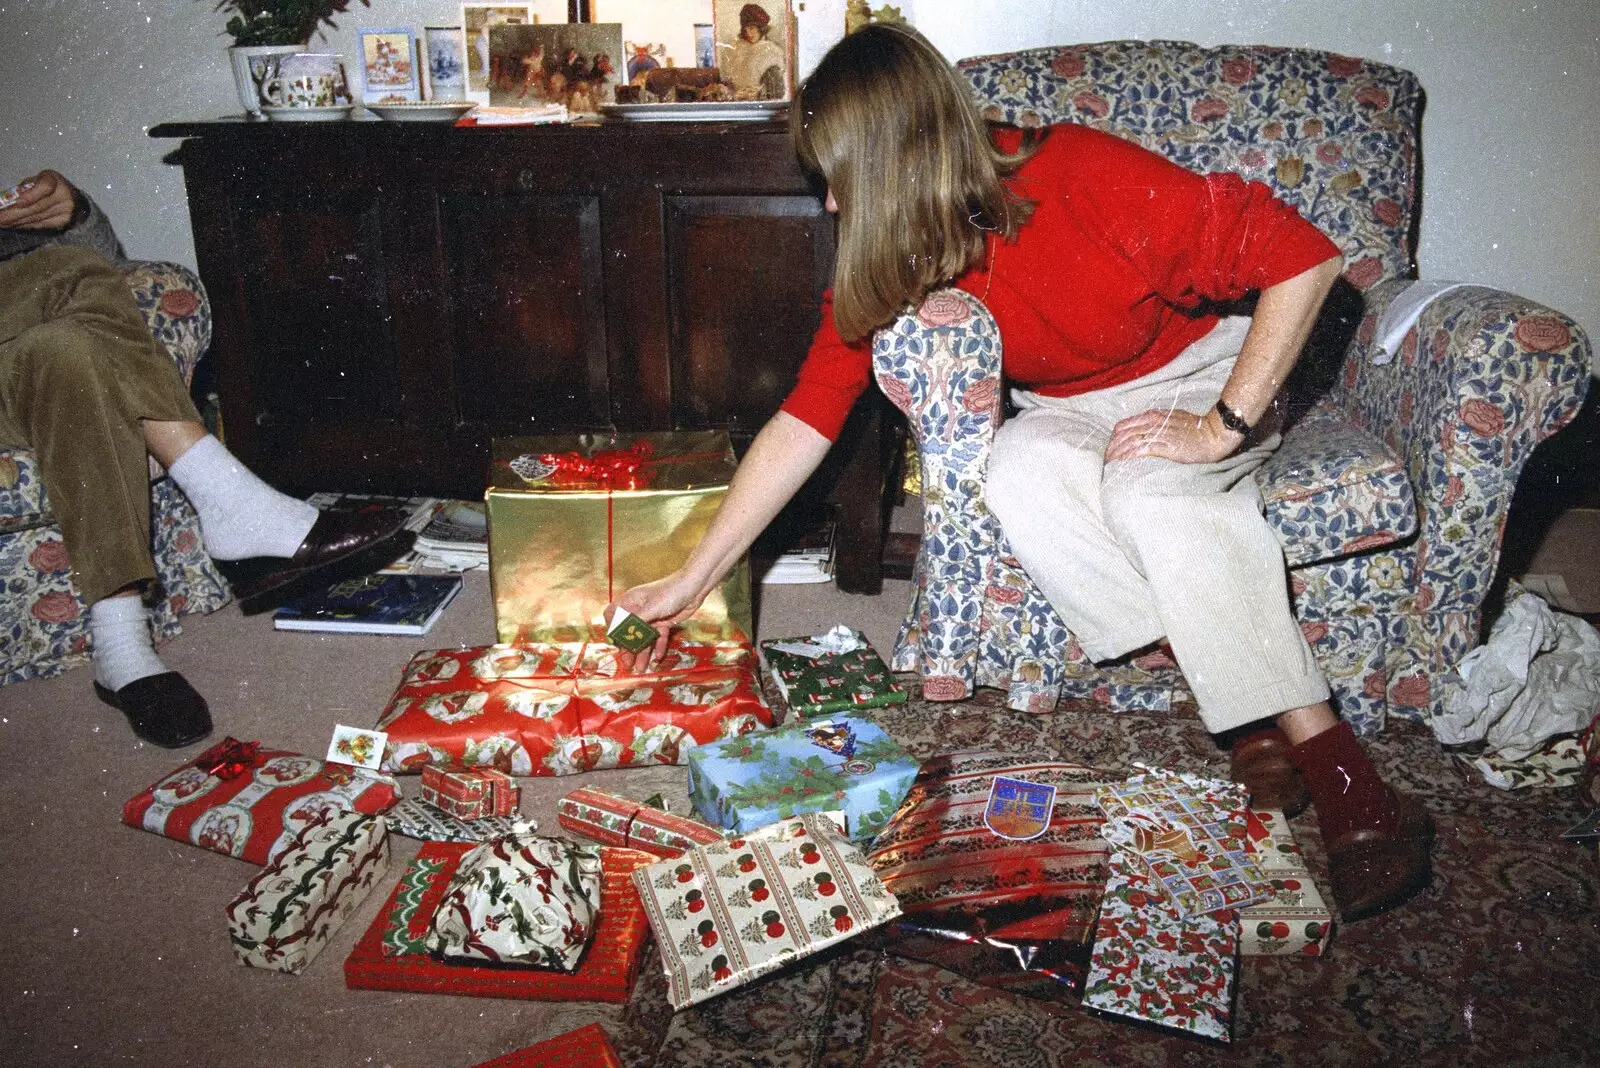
pixel 525 179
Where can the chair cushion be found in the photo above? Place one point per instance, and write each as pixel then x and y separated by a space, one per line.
pixel 22 503
pixel 1333 489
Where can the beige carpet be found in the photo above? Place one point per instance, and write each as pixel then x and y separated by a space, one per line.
pixel 115 949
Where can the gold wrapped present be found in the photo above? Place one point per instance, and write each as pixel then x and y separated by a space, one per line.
pixel 576 520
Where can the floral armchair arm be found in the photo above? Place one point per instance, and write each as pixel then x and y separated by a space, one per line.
pixel 1482 378
pixel 174 304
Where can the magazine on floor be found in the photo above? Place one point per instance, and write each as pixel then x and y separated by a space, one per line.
pixel 372 604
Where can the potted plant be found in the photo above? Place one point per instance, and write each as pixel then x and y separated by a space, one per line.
pixel 265 28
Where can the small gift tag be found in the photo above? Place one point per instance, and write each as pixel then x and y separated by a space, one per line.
pixel 627 631
pixel 1018 809
pixel 357 747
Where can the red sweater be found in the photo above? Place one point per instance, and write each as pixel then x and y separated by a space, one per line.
pixel 1110 278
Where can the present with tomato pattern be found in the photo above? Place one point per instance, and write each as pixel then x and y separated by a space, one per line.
pixel 248 802
pixel 568 708
pixel 617 821
pixel 833 672
pixel 285 915
pixel 522 899
pixel 844 763
pixel 574 520
pixel 587 1047
pixel 728 912
pixel 1153 965
pixel 1191 834
pixel 1295 919
pixel 471 793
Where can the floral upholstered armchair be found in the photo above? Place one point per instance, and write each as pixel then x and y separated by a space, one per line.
pixel 44 625
pixel 1391 488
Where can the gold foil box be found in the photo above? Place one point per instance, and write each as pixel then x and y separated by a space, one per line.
pixel 575 520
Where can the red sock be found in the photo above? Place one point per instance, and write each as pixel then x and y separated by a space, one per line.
pixel 1345 787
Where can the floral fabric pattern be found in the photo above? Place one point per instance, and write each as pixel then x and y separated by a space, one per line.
pixel 44 625
pixel 1390 490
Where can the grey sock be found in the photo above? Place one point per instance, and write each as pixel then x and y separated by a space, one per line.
pixel 240 515
pixel 123 650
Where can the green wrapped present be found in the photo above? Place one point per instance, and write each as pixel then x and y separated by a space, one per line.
pixel 842 763
pixel 833 672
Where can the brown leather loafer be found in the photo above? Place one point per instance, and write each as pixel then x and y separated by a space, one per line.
pixel 1261 762
pixel 163 709
pixel 341 545
pixel 1372 871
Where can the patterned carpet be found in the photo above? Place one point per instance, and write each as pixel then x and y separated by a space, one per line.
pixel 1497 964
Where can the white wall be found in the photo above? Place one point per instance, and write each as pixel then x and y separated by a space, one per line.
pixel 1511 133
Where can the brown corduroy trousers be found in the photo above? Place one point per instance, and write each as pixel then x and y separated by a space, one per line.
pixel 78 370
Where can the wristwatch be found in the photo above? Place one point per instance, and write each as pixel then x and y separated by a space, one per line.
pixel 1232 419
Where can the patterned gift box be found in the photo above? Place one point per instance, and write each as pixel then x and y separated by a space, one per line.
pixel 726 913
pixel 1150 964
pixel 617 821
pixel 842 763
pixel 247 802
pixel 564 709
pixel 1192 834
pixel 816 681
pixel 286 914
pixel 1295 919
pixel 472 793
pixel 951 870
pixel 417 820
pixel 522 899
pixel 574 520
pixel 587 1047
pixel 393 955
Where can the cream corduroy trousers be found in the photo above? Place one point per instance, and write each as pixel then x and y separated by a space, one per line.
pixel 1132 551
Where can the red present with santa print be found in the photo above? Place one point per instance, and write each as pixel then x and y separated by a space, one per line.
pixel 617 821
pixel 248 802
pixel 1295 919
pixel 560 709
pixel 471 794
pixel 587 1047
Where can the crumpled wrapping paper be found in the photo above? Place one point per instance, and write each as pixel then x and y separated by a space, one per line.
pixel 521 899
pixel 1537 676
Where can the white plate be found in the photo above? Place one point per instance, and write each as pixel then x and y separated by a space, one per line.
pixel 714 111
pixel 333 114
pixel 422 111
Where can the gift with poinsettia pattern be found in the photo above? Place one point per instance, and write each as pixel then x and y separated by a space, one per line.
pixel 726 913
pixel 617 821
pixel 843 763
pixel 415 819
pixel 833 672
pixel 471 793
pixel 522 899
pixel 1295 919
pixel 587 1047
pixel 566 708
pixel 244 801
pixel 1153 965
pixel 393 954
pixel 286 914
pixel 1190 833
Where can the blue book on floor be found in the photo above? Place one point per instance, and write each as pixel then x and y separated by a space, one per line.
pixel 373 604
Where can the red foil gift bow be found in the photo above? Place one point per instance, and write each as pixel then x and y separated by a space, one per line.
pixel 229 758
pixel 608 469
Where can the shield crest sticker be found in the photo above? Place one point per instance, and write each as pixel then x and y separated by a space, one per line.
pixel 1019 809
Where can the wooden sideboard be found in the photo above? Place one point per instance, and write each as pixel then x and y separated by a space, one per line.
pixel 390 296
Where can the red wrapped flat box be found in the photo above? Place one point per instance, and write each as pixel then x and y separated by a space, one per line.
pixel 472 794
pixel 617 821
pixel 391 955
pixel 587 1047
pixel 560 709
pixel 244 801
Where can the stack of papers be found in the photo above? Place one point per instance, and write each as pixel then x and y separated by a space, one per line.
pixel 455 538
pixel 810 559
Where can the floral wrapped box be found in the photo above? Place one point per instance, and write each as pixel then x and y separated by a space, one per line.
pixel 568 708
pixel 724 914
pixel 575 520
pixel 287 913
pixel 471 794
pixel 833 672
pixel 1295 919
pixel 843 763
pixel 617 821
pixel 247 802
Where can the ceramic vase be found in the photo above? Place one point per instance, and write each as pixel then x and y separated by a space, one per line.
pixel 251 66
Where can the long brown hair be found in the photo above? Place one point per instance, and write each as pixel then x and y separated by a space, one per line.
pixel 893 129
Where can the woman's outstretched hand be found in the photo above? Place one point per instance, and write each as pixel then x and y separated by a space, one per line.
pixel 661 604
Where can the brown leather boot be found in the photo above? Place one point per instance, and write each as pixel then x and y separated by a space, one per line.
pixel 1374 870
pixel 1261 761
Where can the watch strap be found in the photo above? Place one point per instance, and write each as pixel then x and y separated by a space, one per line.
pixel 1232 419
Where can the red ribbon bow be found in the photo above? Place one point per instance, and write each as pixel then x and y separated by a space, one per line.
pixel 229 758
pixel 611 468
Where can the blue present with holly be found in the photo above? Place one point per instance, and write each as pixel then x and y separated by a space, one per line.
pixel 842 763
